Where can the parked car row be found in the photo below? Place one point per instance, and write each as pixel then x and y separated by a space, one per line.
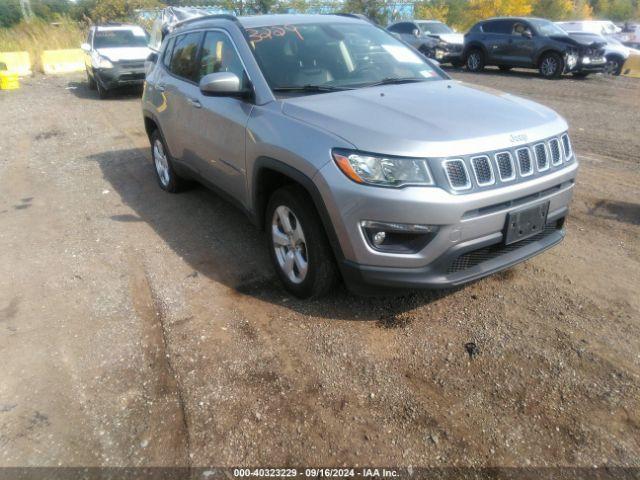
pixel 579 47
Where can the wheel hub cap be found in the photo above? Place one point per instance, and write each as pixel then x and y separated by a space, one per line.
pixel 289 244
pixel 161 162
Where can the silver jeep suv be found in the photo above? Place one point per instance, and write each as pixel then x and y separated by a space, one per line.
pixel 358 156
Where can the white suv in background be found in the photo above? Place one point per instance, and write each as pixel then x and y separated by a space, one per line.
pixel 115 56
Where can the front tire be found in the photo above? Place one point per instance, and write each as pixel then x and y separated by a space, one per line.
pixel 551 65
pixel 475 60
pixel 167 178
pixel 102 92
pixel 614 65
pixel 91 81
pixel 298 245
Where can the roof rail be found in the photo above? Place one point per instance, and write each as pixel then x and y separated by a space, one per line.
pixel 359 16
pixel 220 16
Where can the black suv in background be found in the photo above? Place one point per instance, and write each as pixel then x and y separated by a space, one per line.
pixel 530 43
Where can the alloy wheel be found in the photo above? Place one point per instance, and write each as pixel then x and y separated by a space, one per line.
pixel 473 62
pixel 161 163
pixel 289 244
pixel 549 66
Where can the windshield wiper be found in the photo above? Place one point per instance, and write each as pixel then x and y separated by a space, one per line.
pixel 310 88
pixel 394 81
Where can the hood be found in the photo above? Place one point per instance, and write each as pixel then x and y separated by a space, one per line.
pixel 125 53
pixel 578 42
pixel 454 38
pixel 435 118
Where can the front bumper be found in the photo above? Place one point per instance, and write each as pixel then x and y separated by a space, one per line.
pixel 469 241
pixel 447 54
pixel 119 76
pixel 590 65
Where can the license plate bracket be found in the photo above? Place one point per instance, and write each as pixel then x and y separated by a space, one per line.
pixel 525 223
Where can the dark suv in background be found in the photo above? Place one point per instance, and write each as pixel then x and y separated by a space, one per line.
pixel 530 43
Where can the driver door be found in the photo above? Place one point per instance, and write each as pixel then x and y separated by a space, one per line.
pixel 219 122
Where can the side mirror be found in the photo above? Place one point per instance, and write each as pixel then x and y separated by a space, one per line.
pixel 527 34
pixel 222 84
pixel 85 47
pixel 416 32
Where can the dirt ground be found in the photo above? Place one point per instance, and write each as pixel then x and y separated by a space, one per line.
pixel 140 328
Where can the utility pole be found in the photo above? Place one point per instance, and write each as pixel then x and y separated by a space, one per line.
pixel 25 6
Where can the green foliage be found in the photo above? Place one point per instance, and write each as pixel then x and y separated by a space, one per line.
pixel 10 13
pixel 620 10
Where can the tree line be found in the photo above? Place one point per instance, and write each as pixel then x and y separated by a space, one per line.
pixel 458 13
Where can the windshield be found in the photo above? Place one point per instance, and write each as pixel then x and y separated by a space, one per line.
pixel 547 28
pixel 334 55
pixel 434 27
pixel 120 38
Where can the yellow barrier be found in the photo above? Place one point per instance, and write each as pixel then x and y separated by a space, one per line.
pixel 9 81
pixel 631 67
pixel 62 61
pixel 17 62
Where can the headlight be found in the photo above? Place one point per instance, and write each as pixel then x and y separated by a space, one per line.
pixel 101 62
pixel 381 170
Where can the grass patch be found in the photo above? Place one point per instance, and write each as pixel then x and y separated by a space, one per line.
pixel 38 35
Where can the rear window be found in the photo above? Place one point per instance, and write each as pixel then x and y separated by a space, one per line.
pixel 185 54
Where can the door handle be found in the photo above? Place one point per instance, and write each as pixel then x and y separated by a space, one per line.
pixel 194 103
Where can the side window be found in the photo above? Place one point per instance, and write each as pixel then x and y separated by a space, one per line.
pixel 498 26
pixel 394 28
pixel 520 28
pixel 184 57
pixel 166 60
pixel 219 55
pixel 407 28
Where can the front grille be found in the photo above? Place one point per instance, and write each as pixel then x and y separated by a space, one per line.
pixel 554 148
pixel 492 169
pixel 566 146
pixel 476 257
pixel 524 162
pixel 505 166
pixel 482 170
pixel 131 64
pixel 457 174
pixel 541 157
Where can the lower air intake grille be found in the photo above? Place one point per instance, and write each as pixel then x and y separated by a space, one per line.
pixel 482 169
pixel 541 156
pixel 476 257
pixel 505 166
pixel 524 160
pixel 457 174
pixel 554 148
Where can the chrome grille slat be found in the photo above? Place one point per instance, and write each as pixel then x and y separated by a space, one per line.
pixel 566 147
pixel 457 174
pixel 482 170
pixel 554 148
pixel 506 169
pixel 524 161
pixel 542 159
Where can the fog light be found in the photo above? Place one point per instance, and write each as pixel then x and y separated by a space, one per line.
pixel 398 237
pixel 378 238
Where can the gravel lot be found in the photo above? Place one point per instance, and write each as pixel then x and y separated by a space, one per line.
pixel 139 328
